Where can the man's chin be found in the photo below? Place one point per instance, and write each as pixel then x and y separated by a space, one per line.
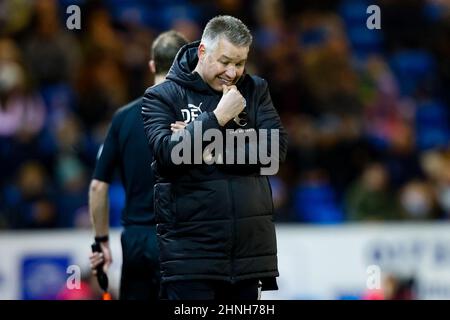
pixel 217 86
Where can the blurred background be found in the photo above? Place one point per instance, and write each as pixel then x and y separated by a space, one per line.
pixel 366 183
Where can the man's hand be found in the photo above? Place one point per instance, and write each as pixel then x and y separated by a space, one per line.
pixel 231 104
pixel 97 258
pixel 177 126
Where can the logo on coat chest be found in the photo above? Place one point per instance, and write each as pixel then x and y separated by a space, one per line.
pixel 192 112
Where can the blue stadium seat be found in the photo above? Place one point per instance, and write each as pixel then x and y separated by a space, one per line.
pixel 364 41
pixel 432 125
pixel 354 12
pixel 170 14
pixel 414 69
pixel 316 203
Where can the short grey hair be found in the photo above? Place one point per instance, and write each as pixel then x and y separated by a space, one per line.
pixel 231 28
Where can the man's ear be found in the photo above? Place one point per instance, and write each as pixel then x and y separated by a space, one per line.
pixel 201 51
pixel 151 65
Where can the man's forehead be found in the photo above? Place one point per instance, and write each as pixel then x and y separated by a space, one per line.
pixel 225 49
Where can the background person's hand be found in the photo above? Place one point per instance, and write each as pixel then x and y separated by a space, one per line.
pixel 231 104
pixel 97 258
pixel 177 126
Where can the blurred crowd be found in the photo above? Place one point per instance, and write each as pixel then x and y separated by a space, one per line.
pixel 367 111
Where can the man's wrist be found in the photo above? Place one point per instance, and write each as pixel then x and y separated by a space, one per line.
pixel 220 118
pixel 104 238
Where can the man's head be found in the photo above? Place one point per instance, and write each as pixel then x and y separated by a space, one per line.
pixel 164 49
pixel 223 51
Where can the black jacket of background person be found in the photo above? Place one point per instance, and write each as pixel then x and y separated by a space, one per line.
pixel 126 148
pixel 213 221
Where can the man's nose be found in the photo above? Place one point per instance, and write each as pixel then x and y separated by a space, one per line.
pixel 231 72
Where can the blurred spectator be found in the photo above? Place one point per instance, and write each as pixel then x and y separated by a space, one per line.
pixel 418 201
pixel 100 35
pixel 22 111
pixel 136 58
pixel 71 174
pixel 22 115
pixel 14 15
pixel 30 202
pixel 369 198
pixel 88 289
pixel 101 89
pixel 276 42
pixel 393 287
pixel 52 52
pixel 436 164
pixel 326 61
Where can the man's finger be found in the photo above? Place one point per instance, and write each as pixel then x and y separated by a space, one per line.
pixel 94 265
pixel 233 87
pixel 96 257
pixel 178 125
pixel 106 267
pixel 225 88
pixel 95 261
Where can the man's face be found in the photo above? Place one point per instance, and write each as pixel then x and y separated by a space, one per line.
pixel 222 64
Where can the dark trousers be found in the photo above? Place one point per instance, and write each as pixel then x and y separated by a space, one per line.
pixel 211 290
pixel 140 269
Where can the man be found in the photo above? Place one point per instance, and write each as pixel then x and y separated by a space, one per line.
pixel 126 148
pixel 214 221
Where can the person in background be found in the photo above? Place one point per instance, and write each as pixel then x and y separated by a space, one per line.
pixel 126 149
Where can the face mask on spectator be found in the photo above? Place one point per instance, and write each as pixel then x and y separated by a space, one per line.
pixel 416 204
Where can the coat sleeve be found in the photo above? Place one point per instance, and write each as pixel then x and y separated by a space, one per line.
pixel 158 113
pixel 267 149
